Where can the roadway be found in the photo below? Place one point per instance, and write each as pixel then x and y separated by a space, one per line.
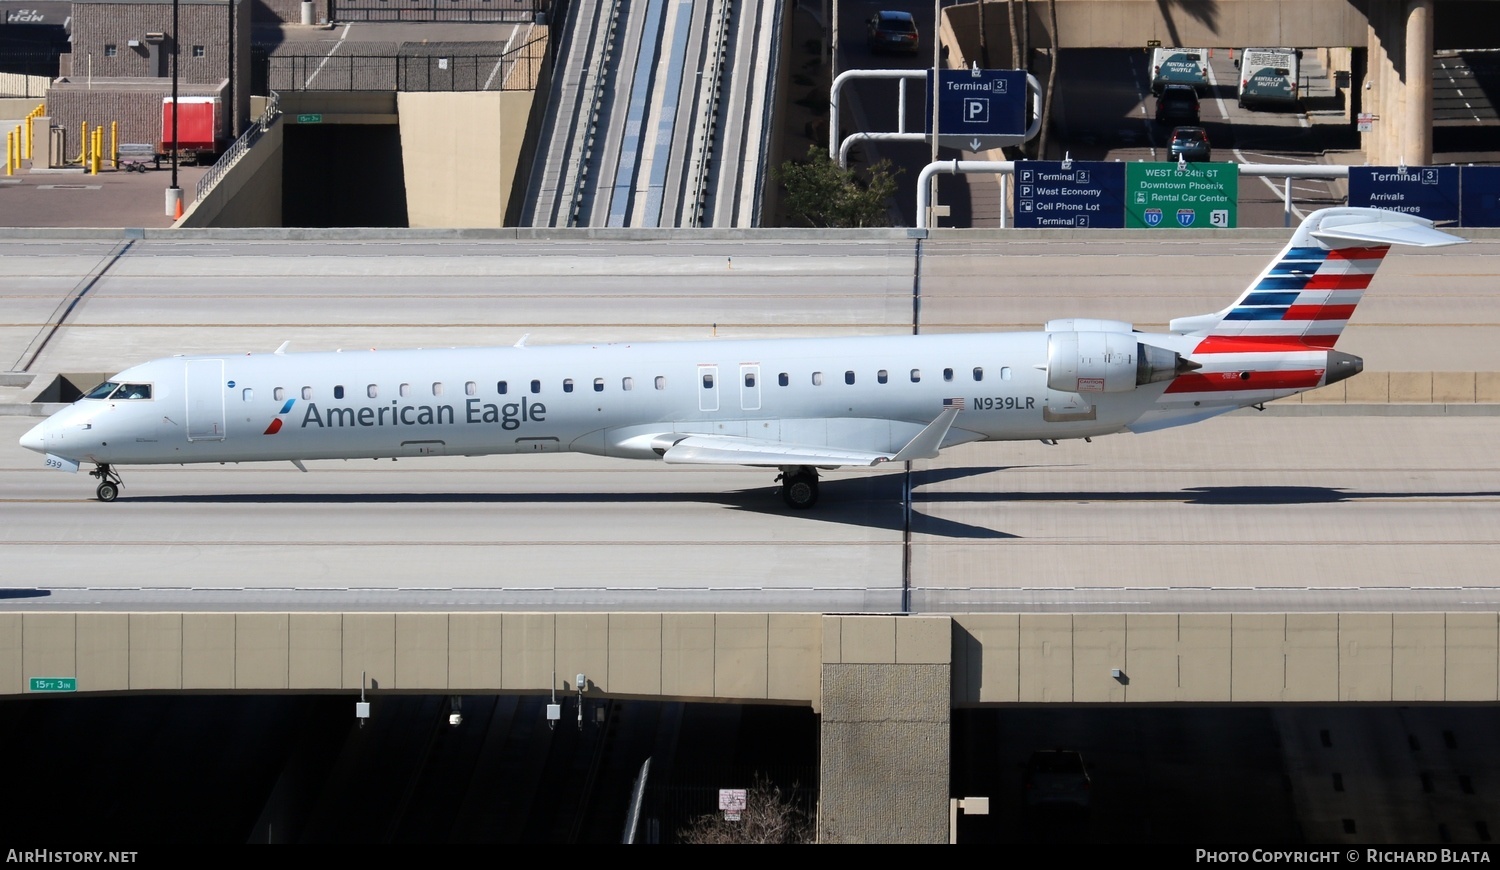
pixel 1287 510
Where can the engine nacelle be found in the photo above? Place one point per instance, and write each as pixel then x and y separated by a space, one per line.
pixel 1107 362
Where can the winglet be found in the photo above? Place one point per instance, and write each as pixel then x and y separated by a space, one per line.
pixel 283 347
pixel 930 439
pixel 300 467
pixel 522 341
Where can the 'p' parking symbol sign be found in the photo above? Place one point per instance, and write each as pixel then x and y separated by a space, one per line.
pixel 976 110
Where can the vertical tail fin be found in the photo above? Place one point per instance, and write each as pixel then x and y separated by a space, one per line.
pixel 1307 294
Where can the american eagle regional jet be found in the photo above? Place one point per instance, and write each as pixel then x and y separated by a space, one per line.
pixel 796 405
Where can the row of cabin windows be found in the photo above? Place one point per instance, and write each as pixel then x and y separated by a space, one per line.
pixel 503 387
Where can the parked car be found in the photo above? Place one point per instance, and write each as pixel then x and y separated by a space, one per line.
pixel 893 31
pixel 1056 779
pixel 1190 144
pixel 1177 104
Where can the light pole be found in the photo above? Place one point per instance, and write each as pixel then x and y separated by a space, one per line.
pixel 174 193
pixel 937 21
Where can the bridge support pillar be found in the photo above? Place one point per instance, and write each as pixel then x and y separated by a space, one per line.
pixel 885 741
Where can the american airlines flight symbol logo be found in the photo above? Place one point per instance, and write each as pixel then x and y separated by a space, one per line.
pixel 276 421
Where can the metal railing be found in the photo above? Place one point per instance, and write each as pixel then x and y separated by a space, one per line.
pixel 514 11
pixel 411 73
pixel 234 152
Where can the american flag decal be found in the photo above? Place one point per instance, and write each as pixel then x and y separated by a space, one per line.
pixel 960 404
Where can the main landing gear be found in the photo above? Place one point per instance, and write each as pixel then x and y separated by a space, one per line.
pixel 109 482
pixel 799 486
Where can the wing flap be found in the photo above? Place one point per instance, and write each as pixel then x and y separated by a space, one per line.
pixel 734 450
pixel 739 450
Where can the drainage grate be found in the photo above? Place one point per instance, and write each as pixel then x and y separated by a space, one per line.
pixel 69 186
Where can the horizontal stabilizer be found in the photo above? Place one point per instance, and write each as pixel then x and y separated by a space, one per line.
pixel 1422 235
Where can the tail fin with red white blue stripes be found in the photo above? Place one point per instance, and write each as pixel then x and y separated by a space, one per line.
pixel 1306 296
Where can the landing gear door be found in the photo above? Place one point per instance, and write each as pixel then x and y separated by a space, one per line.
pixel 205 400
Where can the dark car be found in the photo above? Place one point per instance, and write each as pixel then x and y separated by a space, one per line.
pixel 1056 779
pixel 1190 144
pixel 893 31
pixel 1177 104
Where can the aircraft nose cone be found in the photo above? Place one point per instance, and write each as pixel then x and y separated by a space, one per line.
pixel 34 439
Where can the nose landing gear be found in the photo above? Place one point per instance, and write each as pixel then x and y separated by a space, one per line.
pixel 799 486
pixel 109 482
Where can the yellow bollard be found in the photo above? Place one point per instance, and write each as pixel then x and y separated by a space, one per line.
pixel 114 145
pixel 10 146
pixel 26 142
pixel 83 144
pixel 98 147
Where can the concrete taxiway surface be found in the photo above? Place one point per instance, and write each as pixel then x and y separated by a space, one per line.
pixel 1295 509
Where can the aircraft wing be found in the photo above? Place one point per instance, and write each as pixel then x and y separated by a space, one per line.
pixel 732 450
pixel 739 450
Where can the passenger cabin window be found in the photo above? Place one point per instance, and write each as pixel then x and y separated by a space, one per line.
pixel 102 391
pixel 279 393
pixel 979 373
pixel 405 390
pixel 502 387
pixel 372 391
pixel 882 376
pixel 783 379
pixel 629 383
pixel 567 385
pixel 1005 373
pixel 749 379
pixel 338 391
pixel 248 395
pixel 598 385
pixel 817 379
pixel 471 389
pixel 661 382
pixel 849 378
pixel 307 392
pixel 437 388
pixel 536 386
pixel 916 376
pixel 947 374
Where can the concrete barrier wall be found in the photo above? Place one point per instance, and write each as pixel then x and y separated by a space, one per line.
pixel 461 153
pixel 743 657
pixel 1253 658
pixel 249 194
pixel 781 658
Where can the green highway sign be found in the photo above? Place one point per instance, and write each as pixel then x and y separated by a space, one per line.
pixel 54 684
pixel 1181 196
pixel 309 119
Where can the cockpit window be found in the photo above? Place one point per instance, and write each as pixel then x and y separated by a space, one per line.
pixel 134 391
pixel 102 391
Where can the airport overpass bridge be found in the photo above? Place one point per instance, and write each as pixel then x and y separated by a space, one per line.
pixel 1165 570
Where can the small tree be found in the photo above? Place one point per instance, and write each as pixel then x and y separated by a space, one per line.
pixel 819 192
pixel 770 816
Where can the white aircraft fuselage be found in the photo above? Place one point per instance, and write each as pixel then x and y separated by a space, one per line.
pixel 793 404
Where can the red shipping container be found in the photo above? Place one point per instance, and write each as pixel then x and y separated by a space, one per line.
pixel 196 124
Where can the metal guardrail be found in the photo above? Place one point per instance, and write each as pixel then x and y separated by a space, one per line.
pixel 425 73
pixel 234 152
pixel 513 11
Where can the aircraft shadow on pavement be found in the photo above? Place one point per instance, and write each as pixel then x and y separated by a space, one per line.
pixel 6 594
pixel 867 500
